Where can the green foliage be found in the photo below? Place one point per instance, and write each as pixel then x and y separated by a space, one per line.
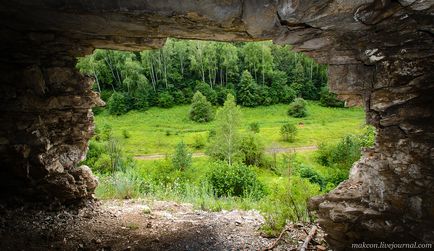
pixel 234 180
pixel 313 176
pixel 254 127
pixel 248 91
pixel 213 68
pixel 341 156
pixel 329 99
pixel 165 100
pixel 225 145
pixel 126 134
pixel 198 142
pixel 298 108
pixel 181 159
pixel 120 185
pixel 292 196
pixel 201 110
pixel 116 104
pixel 251 149
pixel 288 132
pixel 344 154
pixel 207 91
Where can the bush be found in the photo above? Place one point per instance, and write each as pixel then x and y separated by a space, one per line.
pixel 251 150
pixel 126 134
pixel 298 108
pixel 117 104
pixel 207 91
pixel 287 202
pixel 201 110
pixel 179 97
pixel 165 100
pixel 313 176
pixel 343 154
pixel 329 99
pixel 198 142
pixel 181 159
pixel 234 180
pixel 288 132
pixel 254 127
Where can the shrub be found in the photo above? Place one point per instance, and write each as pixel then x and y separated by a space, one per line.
pixel 254 127
pixel 181 159
pixel 198 141
pixel 287 201
pixel 343 154
pixel 178 97
pixel 207 91
pixel 93 154
pixel 288 132
pixel 298 108
pixel 234 180
pixel 126 134
pixel 117 104
pixel 165 100
pixel 329 99
pixel 251 150
pixel 313 176
pixel 201 109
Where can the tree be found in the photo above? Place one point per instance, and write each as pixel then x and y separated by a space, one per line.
pixel 116 104
pixel 248 91
pixel 225 145
pixel 181 159
pixel 288 132
pixel 201 109
pixel 298 108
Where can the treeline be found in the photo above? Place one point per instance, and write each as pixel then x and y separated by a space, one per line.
pixel 256 73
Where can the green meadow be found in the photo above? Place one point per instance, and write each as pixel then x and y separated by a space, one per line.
pixel 158 130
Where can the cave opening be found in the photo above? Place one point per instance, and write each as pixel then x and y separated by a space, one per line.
pixel 378 50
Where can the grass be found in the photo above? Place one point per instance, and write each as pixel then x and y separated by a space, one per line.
pixel 158 130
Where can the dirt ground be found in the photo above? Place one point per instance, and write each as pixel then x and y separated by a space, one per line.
pixel 142 225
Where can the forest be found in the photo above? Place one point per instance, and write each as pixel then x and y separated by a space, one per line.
pixel 258 73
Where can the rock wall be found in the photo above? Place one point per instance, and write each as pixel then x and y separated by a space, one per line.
pixel 379 51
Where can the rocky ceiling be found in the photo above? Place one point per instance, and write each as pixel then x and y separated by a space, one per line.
pixel 380 50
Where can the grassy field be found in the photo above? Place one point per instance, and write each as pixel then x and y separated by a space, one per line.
pixel 158 130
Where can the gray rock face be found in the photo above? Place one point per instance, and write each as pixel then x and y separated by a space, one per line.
pixel 379 51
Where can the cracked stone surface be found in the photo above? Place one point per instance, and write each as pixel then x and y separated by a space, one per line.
pixel 379 51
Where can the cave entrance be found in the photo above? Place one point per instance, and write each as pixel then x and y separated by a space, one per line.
pixel 378 50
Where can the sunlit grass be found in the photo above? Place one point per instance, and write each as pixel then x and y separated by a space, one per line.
pixel 158 130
